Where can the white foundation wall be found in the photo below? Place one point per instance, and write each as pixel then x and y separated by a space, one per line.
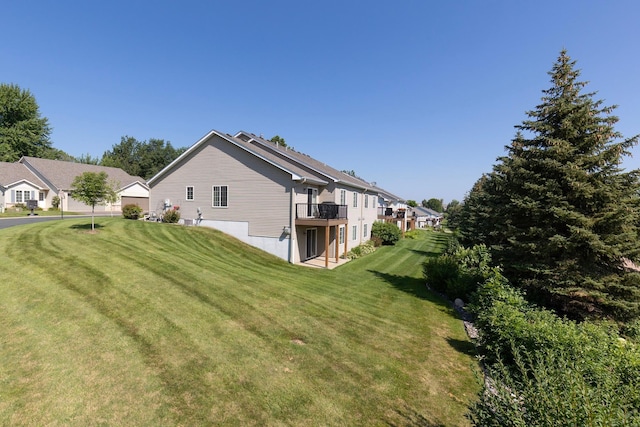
pixel 240 230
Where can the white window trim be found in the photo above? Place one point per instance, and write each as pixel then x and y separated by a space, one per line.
pixel 354 232
pixel 193 193
pixel 355 199
pixel 213 205
pixel 341 234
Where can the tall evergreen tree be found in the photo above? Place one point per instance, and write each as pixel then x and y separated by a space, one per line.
pixel 558 210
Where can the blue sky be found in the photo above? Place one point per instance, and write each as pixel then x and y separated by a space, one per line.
pixel 418 96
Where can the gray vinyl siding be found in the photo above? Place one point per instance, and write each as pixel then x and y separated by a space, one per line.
pixel 258 192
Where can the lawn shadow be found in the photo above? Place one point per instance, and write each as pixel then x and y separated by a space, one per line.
pixel 429 254
pixel 417 288
pixel 411 417
pixel 463 346
pixel 85 227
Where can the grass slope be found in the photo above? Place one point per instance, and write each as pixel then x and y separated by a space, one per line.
pixel 149 324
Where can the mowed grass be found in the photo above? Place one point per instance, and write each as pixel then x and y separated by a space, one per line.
pixel 152 324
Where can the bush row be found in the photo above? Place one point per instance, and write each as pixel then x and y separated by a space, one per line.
pixel 550 371
pixel 459 271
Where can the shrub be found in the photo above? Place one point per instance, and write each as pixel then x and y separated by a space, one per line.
pixel 131 211
pixel 387 232
pixel 363 249
pixel 459 271
pixel 55 202
pixel 171 216
pixel 377 242
pixel 545 370
pixel 413 234
pixel 440 272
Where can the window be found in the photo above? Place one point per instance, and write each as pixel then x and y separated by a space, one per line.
pixel 355 199
pixel 364 230
pixel 19 196
pixel 220 196
pixel 189 193
pixel 354 233
pixel 343 197
pixel 41 196
pixel 366 201
pixel 341 236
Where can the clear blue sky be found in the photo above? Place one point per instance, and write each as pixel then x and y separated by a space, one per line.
pixel 419 96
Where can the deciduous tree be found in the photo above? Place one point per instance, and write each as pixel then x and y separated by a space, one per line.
pixel 23 132
pixel 434 204
pixel 141 158
pixel 92 188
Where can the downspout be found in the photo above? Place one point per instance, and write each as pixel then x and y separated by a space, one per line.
pixel 292 223
pixel 361 228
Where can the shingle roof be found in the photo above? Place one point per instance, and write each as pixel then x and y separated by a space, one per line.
pixel 427 211
pixel 308 161
pixel 299 165
pixel 61 174
pixel 14 172
pixel 387 195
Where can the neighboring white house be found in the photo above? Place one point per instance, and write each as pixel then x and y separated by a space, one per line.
pixel 395 210
pixel 271 197
pixel 426 217
pixel 18 184
pixel 42 179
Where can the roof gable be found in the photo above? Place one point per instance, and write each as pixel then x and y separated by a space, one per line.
pixel 297 173
pixel 13 173
pixel 60 174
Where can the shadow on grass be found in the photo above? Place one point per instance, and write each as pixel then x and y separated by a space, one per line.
pixel 86 227
pixel 417 288
pixel 462 346
pixel 412 418
pixel 429 254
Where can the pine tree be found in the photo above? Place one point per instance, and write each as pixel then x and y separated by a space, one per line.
pixel 558 210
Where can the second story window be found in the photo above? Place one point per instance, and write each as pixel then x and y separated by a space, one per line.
pixel 366 201
pixel 220 196
pixel 343 197
pixel 355 199
pixel 189 193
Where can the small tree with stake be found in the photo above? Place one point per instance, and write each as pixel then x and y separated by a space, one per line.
pixel 92 188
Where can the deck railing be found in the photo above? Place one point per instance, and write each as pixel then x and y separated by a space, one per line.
pixel 320 211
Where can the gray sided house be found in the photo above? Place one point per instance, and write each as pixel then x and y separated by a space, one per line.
pixel 276 199
pixel 42 179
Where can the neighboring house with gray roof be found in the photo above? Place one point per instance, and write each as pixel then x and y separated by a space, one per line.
pixel 269 196
pixel 18 184
pixel 426 217
pixel 42 179
pixel 394 209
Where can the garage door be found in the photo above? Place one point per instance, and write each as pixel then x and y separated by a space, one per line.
pixel 143 202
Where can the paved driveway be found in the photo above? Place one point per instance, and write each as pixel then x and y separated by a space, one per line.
pixel 10 222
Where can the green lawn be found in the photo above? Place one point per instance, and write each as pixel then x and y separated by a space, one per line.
pixel 153 324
